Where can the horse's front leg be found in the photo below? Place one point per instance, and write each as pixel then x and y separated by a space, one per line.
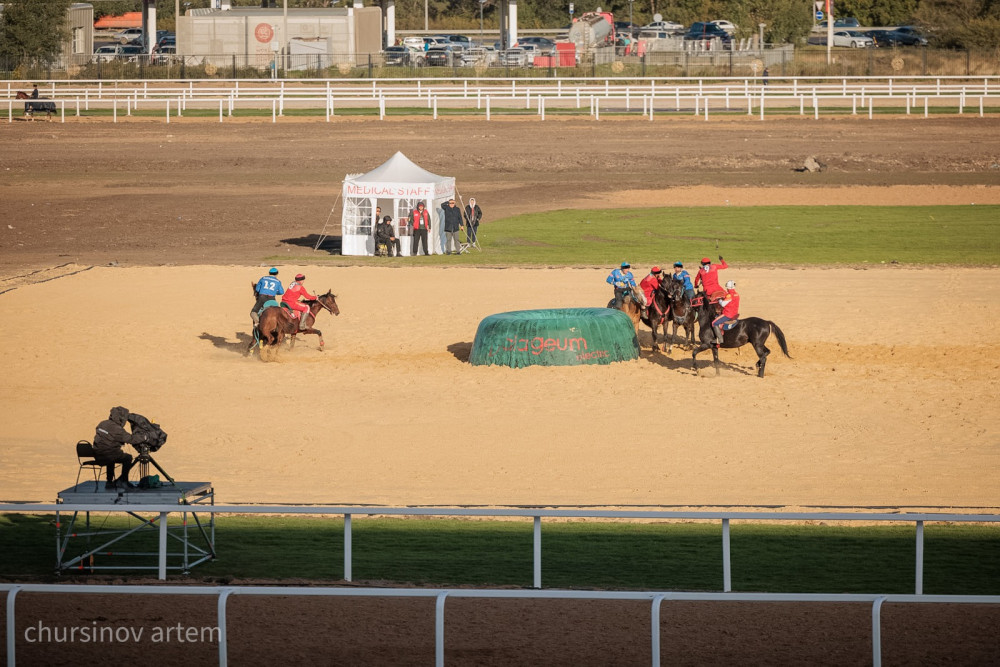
pixel 715 359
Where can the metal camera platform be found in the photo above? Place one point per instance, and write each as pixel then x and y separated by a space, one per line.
pixel 88 546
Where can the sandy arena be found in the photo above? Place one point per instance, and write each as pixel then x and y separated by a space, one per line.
pixel 130 248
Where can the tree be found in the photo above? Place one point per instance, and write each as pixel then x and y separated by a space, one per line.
pixel 961 23
pixel 33 31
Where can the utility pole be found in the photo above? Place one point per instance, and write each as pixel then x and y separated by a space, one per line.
pixel 425 16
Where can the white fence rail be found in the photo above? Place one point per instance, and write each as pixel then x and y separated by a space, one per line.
pixel 486 95
pixel 918 519
pixel 222 593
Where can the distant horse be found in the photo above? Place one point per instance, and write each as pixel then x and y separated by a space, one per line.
pixel 36 105
pixel 682 313
pixel 751 330
pixel 276 323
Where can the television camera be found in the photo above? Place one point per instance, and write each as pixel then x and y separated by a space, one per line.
pixel 154 439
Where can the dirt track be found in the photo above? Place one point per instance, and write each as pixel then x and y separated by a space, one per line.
pixel 889 400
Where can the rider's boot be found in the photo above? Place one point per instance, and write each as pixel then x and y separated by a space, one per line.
pixel 255 316
pixel 718 335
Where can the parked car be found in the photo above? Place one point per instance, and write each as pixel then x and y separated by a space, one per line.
pixel 457 40
pixel 907 35
pixel 414 42
pixel 852 38
pixel 440 56
pixel 131 52
pixel 128 35
pixel 701 30
pixel 516 57
pixel 669 26
pixel 106 53
pixel 539 43
pixel 396 56
pixel 848 22
pixel 165 54
pixel 166 37
pixel 168 41
pixel 626 28
pixel 725 25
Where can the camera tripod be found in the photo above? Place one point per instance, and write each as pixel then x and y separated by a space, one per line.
pixel 144 460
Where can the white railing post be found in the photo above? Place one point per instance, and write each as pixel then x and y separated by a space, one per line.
pixel 168 109
pixel 347 548
pixel 536 541
pixel 877 632
pixel 919 588
pixel 439 629
pixel 727 570
pixel 162 568
pixel 11 595
pixel 62 110
pixel 221 610
pixel 655 629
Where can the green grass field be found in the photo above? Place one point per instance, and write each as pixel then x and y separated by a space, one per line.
pixel 770 235
pixel 959 559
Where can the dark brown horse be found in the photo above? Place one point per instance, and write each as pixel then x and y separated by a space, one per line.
pixel 34 105
pixel 751 330
pixel 276 323
pixel 682 313
pixel 658 312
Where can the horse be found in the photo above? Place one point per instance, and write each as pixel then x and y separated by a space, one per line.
pixel 657 312
pixel 35 105
pixel 753 330
pixel 276 323
pixel 682 313
pixel 632 302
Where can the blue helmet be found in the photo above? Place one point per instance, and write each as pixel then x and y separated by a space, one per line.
pixel 273 271
pixel 679 264
pixel 626 265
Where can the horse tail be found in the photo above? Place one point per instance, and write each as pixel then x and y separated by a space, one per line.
pixel 781 338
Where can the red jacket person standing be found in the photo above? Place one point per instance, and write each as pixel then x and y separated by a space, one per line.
pixel 420 220
pixel 730 311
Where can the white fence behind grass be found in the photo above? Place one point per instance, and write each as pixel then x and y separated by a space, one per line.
pixel 441 595
pixel 918 519
pixel 489 96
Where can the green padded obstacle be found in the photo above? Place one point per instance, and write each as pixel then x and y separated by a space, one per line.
pixel 555 337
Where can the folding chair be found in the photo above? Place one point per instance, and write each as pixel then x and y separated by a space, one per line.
pixel 85 455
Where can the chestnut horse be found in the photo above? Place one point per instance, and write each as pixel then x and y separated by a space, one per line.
pixel 276 323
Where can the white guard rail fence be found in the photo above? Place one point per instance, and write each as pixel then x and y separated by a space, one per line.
pixel 656 599
pixel 163 511
pixel 489 96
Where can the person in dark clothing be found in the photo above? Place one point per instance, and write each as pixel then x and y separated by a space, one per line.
pixel 473 216
pixel 452 226
pixel 384 233
pixel 420 221
pixel 109 440
pixel 34 92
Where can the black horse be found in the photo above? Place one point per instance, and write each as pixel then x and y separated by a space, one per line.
pixel 657 312
pixel 682 313
pixel 35 104
pixel 751 330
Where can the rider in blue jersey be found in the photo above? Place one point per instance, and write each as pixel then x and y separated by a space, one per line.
pixel 682 276
pixel 267 288
pixel 622 280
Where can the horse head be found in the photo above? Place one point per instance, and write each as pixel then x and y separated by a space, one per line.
pixel 329 301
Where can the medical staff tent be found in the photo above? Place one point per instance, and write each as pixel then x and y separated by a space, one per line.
pixel 396 187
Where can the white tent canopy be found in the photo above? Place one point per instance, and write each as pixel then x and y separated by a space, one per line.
pixel 396 186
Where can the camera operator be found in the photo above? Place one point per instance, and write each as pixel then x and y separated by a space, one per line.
pixel 109 441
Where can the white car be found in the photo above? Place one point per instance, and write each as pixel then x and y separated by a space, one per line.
pixel 725 25
pixel 128 34
pixel 669 26
pixel 853 39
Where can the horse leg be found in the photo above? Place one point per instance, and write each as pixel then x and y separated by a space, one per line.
pixel 715 359
pixel 318 333
pixel 762 361
pixel 694 355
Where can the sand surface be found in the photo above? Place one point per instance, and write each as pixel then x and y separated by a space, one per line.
pixel 886 401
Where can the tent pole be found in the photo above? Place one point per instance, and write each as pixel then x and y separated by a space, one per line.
pixel 322 234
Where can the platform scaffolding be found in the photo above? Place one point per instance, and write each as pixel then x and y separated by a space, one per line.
pixel 128 548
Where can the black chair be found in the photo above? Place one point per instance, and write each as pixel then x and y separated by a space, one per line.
pixel 86 455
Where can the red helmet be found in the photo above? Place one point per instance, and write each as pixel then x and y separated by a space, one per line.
pixel 706 260
pixel 300 276
pixel 655 269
